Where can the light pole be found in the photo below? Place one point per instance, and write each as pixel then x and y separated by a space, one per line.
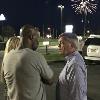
pixel 49 30
pixel 61 9
pixel 43 31
pixel 2 18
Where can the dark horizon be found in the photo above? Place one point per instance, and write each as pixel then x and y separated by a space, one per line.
pixel 45 13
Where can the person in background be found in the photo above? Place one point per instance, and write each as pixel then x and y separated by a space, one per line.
pixel 12 43
pixel 72 83
pixel 25 70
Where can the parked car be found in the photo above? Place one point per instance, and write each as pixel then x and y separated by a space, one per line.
pixel 91 48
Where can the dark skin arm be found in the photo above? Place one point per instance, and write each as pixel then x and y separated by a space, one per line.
pixel 48 82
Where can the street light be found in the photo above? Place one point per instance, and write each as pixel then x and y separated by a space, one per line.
pixel 61 9
pixel 2 18
pixel 49 30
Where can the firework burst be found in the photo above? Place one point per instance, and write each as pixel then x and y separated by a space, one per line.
pixel 84 6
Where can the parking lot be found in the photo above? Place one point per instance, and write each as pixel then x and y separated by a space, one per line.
pixel 93 81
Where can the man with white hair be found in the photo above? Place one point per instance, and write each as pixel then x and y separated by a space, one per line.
pixel 72 83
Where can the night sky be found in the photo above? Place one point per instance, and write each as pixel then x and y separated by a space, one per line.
pixel 45 13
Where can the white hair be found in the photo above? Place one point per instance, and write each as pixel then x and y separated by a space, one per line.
pixel 71 37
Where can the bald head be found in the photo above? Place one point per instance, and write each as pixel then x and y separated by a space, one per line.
pixel 29 37
pixel 28 30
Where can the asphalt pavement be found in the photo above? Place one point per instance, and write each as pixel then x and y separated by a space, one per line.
pixel 93 80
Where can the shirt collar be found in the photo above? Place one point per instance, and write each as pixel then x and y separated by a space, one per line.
pixel 71 55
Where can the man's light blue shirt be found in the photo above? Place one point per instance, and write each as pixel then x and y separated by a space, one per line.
pixel 73 78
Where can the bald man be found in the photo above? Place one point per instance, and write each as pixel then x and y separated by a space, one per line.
pixel 25 70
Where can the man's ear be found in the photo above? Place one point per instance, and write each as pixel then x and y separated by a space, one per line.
pixel 31 37
pixel 72 45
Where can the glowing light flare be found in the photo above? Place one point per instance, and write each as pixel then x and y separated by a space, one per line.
pixel 69 28
pixel 2 17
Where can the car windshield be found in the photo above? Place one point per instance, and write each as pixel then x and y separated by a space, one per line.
pixel 92 41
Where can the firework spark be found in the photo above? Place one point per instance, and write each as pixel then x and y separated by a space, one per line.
pixel 84 6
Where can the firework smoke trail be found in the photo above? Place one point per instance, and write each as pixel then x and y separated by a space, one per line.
pixel 84 6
